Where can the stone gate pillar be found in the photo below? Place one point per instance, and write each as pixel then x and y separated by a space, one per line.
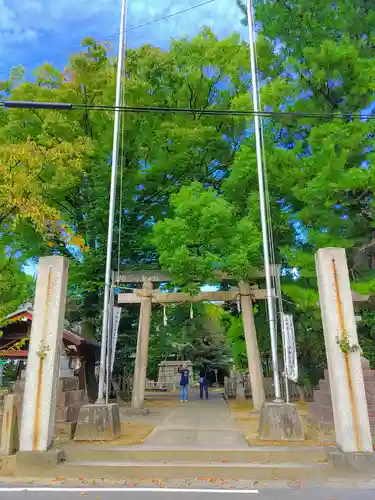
pixel 140 368
pixel 343 353
pixel 252 349
pixel 42 372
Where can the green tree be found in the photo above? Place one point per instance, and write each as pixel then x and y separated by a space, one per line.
pixel 15 285
pixel 160 152
pixel 205 236
pixel 200 339
pixel 322 62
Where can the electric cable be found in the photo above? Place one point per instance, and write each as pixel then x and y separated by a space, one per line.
pixel 62 106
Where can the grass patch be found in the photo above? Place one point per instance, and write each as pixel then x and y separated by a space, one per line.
pixel 131 434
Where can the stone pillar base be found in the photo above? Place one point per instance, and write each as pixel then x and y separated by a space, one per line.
pixel 34 463
pixel 137 411
pixel 98 422
pixel 351 464
pixel 280 422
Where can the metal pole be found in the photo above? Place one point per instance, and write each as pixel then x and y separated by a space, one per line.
pixel 112 199
pixel 109 345
pixel 281 312
pixel 262 201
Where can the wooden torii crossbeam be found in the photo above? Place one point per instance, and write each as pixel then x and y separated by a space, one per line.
pixel 147 296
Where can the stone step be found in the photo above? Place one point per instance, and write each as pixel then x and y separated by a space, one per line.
pixel 183 470
pixel 261 454
pixel 325 413
pixel 368 375
pixel 73 397
pixel 68 384
pixel 322 398
pixel 64 431
pixel 67 413
pixel 65 384
pixel 324 385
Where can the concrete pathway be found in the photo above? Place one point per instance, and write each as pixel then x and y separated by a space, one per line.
pixel 198 424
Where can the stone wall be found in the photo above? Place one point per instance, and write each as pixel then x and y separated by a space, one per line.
pixel 69 401
pixel 321 410
pixel 168 373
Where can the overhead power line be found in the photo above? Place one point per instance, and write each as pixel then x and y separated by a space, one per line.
pixel 163 18
pixel 66 106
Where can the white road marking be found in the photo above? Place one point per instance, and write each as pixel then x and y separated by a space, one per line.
pixel 117 490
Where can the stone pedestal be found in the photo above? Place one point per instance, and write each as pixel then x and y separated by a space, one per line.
pixel 98 422
pixel 351 464
pixel 349 404
pixel 42 373
pixel 36 463
pixel 280 422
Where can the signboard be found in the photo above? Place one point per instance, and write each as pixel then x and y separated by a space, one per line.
pixel 290 351
pixel 116 315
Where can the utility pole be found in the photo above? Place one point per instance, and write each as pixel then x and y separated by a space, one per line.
pixel 262 201
pixel 112 199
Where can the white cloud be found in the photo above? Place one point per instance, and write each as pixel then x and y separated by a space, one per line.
pixel 57 26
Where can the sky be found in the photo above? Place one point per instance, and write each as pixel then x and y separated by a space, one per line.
pixel 36 31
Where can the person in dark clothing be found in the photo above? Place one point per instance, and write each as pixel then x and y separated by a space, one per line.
pixel 184 382
pixel 203 382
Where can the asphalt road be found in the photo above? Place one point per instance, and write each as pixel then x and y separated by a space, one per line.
pixel 319 493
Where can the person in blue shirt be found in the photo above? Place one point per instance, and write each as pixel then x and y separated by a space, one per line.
pixel 184 382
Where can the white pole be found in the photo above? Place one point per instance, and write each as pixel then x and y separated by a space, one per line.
pixel 112 199
pixel 281 311
pixel 109 344
pixel 258 145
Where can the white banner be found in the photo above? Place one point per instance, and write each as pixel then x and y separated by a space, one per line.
pixel 290 351
pixel 116 315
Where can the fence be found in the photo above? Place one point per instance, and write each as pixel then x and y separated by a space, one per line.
pixel 152 385
pixel 295 391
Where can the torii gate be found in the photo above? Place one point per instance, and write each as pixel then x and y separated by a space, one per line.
pixel 148 296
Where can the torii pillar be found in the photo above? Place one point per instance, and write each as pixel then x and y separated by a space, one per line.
pixel 141 359
pixel 252 349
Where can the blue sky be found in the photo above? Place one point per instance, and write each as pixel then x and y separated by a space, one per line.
pixel 34 31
